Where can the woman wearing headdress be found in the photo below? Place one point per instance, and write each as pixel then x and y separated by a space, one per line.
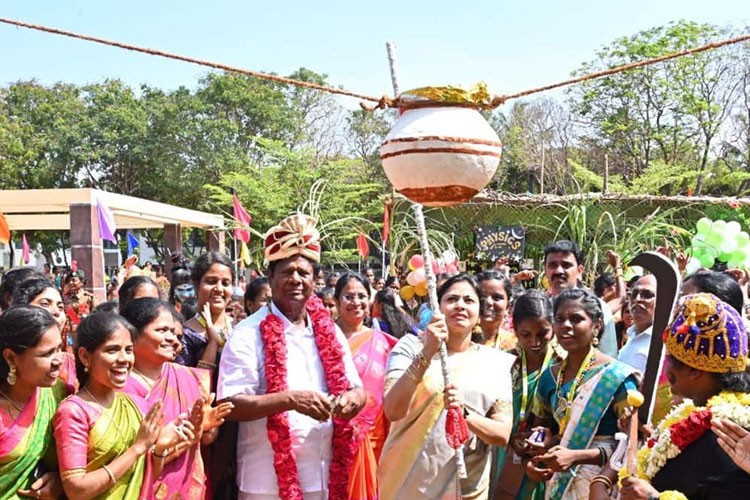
pixel 707 359
pixel 577 403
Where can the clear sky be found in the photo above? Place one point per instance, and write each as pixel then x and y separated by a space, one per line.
pixel 512 45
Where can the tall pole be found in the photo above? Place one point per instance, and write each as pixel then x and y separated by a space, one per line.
pixel 235 256
pixel 605 188
pixel 393 66
pixel 541 173
pixel 429 273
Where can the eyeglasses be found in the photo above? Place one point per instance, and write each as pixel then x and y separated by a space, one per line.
pixel 645 294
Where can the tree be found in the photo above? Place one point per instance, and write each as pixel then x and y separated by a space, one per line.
pixel 536 135
pixel 671 111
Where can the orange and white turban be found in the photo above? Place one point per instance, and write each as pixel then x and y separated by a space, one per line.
pixel 295 235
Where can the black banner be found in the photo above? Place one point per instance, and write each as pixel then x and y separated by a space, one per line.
pixel 494 242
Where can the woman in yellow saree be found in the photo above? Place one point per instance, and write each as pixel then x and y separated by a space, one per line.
pixel 30 390
pixel 103 440
pixel 417 460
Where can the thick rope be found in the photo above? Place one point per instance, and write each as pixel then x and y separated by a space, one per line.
pixel 168 55
pixel 385 101
pixel 498 100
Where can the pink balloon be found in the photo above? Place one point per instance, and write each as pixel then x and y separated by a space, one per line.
pixel 415 262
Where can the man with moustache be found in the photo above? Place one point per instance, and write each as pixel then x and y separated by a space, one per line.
pixel 563 268
pixel 289 372
pixel 642 302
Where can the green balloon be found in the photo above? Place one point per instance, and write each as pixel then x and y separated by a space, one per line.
pixel 706 261
pixel 742 239
pixel 703 226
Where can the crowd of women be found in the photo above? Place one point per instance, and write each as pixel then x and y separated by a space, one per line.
pixel 126 408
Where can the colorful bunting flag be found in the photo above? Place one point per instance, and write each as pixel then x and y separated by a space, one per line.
pixel 243 218
pixel 133 243
pixel 25 250
pixel 362 246
pixel 107 225
pixel 4 230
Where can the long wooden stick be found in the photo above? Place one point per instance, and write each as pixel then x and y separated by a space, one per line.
pixel 435 306
pixel 429 273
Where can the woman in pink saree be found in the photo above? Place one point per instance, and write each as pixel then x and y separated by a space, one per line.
pixel 30 391
pixel 154 378
pixel 370 349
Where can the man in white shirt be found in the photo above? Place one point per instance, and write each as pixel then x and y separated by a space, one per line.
pixel 563 268
pixel 642 302
pixel 300 413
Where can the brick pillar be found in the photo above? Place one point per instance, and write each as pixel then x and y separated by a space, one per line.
pixel 215 241
pixel 86 247
pixel 172 245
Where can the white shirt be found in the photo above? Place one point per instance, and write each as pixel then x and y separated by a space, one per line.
pixel 241 371
pixel 635 351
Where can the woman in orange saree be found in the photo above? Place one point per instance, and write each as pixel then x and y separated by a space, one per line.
pixel 370 349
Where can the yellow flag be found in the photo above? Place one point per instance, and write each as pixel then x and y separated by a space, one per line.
pixel 244 254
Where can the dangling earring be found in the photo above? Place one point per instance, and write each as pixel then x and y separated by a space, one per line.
pixel 86 369
pixel 12 377
pixel 595 342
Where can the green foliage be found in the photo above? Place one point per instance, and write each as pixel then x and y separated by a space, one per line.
pixel 283 182
pixel 596 231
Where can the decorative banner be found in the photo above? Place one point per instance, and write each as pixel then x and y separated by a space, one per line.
pixel 494 242
pixel 239 213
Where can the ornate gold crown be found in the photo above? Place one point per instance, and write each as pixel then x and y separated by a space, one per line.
pixel 708 335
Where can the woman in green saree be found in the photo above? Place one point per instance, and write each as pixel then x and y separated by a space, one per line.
pixel 108 449
pixel 532 322
pixel 30 390
pixel 578 402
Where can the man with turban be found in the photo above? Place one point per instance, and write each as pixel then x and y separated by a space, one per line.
pixel 707 360
pixel 289 372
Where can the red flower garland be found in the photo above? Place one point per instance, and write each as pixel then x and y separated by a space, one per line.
pixel 689 429
pixel 332 358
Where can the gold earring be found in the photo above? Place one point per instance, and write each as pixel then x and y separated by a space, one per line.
pixel 12 377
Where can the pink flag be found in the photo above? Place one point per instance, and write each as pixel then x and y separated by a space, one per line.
pixel 25 251
pixel 243 218
pixel 107 225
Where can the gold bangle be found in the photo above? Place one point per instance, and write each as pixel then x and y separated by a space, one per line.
pixel 206 365
pixel 72 472
pixel 603 479
pixel 421 360
pixel 109 473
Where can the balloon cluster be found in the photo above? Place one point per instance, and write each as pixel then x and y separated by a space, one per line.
pixel 719 240
pixel 417 278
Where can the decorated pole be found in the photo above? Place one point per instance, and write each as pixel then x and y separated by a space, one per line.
pixel 440 152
